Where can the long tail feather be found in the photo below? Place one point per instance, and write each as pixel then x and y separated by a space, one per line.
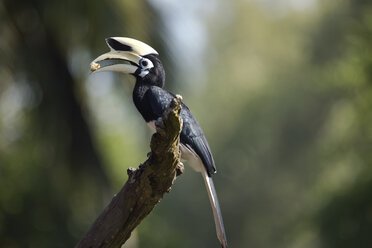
pixel 220 229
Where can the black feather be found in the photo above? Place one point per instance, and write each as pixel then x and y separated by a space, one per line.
pixel 152 105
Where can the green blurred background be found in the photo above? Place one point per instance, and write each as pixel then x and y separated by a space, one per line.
pixel 283 90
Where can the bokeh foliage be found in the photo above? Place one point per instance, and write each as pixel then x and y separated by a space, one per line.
pixel 285 101
pixel 53 180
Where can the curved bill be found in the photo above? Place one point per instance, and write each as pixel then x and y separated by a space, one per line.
pixel 125 62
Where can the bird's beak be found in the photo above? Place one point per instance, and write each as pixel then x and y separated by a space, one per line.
pixel 125 62
pixel 124 56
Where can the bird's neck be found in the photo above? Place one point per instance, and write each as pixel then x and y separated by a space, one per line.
pixel 139 92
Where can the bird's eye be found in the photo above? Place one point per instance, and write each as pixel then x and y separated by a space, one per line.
pixel 144 63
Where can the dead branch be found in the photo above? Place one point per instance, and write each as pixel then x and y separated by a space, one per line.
pixel 144 188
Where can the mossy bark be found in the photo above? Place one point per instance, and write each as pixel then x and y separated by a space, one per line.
pixel 144 188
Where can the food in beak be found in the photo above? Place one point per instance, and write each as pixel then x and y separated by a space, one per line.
pixel 94 66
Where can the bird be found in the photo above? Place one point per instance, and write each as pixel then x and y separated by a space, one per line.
pixel 136 58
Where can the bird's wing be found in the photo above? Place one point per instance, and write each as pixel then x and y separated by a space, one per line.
pixel 158 100
pixel 192 135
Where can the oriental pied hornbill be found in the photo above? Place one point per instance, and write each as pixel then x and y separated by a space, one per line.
pixel 134 57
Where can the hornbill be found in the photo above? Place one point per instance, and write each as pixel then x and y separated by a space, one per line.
pixel 136 58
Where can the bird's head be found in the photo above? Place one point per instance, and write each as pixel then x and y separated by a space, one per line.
pixel 132 57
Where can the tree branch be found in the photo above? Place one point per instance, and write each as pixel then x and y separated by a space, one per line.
pixel 144 188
